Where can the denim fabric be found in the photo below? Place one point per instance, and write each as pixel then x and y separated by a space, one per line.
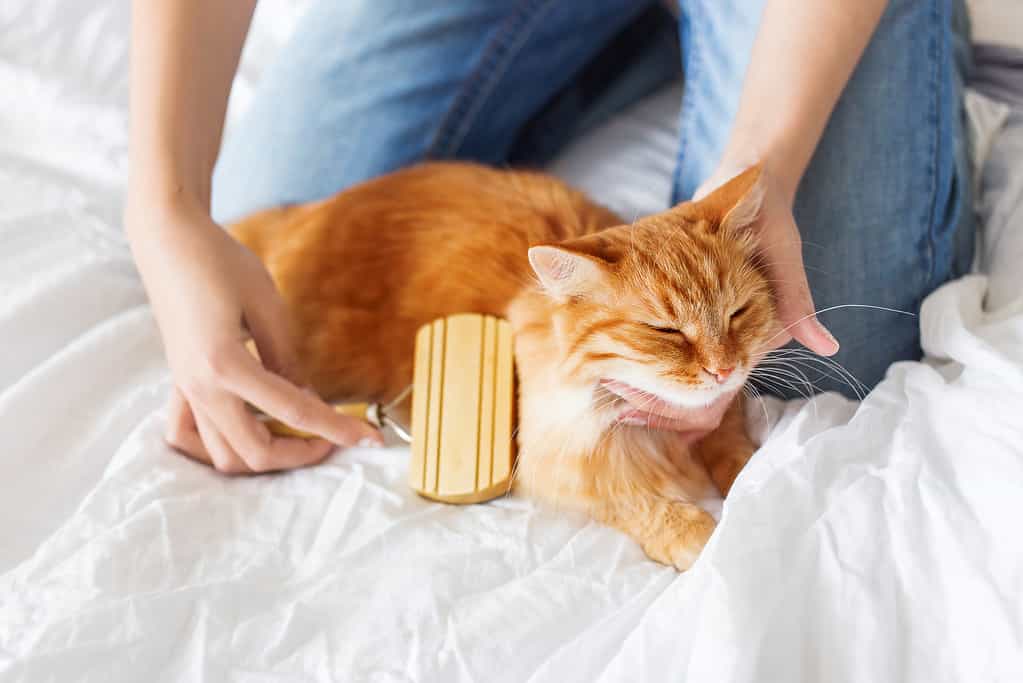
pixel 365 87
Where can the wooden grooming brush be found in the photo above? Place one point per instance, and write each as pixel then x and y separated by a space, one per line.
pixel 463 409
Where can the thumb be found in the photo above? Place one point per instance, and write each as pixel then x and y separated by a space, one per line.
pixel 783 263
pixel 798 317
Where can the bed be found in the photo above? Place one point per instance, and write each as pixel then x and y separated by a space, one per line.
pixel 873 541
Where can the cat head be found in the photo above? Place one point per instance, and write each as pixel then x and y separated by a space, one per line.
pixel 673 308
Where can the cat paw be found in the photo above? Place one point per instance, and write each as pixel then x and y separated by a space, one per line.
pixel 686 530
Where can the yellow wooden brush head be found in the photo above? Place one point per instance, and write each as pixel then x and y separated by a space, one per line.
pixel 463 410
pixel 463 405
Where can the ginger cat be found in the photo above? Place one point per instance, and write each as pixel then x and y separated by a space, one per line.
pixel 631 341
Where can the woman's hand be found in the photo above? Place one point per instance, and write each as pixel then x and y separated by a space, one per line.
pixel 782 251
pixel 210 294
pixel 802 58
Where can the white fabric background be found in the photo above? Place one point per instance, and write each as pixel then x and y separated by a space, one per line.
pixel 872 542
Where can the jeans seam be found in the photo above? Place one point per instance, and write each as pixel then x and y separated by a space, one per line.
pixel 936 123
pixel 492 66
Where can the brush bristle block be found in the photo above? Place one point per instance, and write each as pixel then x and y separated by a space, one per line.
pixel 463 409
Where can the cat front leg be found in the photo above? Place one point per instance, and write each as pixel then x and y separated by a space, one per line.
pixel 726 450
pixel 671 532
pixel 649 488
pixel 626 482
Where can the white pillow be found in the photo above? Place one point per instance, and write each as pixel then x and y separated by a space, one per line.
pixel 997 22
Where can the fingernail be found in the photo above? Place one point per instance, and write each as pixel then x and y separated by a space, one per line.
pixel 367 442
pixel 827 333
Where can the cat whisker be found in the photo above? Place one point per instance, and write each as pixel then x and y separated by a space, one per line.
pixel 809 359
pixel 835 372
pixel 838 367
pixel 807 389
pixel 788 378
pixel 779 385
pixel 775 386
pixel 835 308
pixel 779 367
pixel 651 423
pixel 752 392
pixel 798 380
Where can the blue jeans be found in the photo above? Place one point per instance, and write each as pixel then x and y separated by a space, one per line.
pixel 367 86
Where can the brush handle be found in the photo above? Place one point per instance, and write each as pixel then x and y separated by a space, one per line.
pixel 361 411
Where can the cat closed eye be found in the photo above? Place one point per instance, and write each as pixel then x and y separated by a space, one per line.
pixel 739 311
pixel 665 330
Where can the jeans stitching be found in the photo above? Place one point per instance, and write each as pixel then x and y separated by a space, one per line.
pixel 493 65
pixel 935 120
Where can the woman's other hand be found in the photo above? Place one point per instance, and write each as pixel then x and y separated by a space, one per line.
pixel 781 250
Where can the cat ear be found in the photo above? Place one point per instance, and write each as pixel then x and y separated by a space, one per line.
pixel 736 204
pixel 563 272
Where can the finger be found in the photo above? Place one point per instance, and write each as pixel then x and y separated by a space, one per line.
pixel 794 302
pixel 812 334
pixel 801 320
pixel 242 375
pixel 181 433
pixel 257 447
pixel 222 456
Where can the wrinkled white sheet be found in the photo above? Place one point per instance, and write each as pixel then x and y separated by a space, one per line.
pixel 873 542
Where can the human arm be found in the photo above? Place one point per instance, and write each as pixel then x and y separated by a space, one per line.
pixel 209 294
pixel 803 56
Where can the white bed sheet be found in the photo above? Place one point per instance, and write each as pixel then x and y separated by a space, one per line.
pixel 872 542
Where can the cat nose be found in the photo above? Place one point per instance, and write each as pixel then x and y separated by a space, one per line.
pixel 721 374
